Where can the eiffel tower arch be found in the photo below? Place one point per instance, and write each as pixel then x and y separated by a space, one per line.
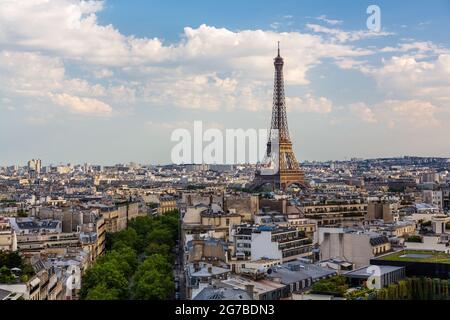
pixel 280 155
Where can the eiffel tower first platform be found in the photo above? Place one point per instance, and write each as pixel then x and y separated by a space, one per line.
pixel 280 169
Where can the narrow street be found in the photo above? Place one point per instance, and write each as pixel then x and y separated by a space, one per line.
pixel 179 274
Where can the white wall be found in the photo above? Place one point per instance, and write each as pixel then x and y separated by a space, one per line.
pixel 263 247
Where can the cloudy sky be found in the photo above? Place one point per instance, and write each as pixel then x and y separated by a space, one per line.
pixel 108 81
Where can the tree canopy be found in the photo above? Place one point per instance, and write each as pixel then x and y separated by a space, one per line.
pixel 138 263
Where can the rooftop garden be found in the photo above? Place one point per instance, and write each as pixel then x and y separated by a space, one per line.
pixel 336 286
pixel 13 268
pixel 418 256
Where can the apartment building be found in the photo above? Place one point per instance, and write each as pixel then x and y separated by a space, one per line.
pixel 8 239
pixel 166 204
pixel 433 198
pixel 116 217
pixel 335 213
pixel 354 246
pixel 382 210
pixel 245 205
pixel 285 244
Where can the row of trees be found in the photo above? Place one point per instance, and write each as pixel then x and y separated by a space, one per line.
pixel 138 264
pixel 414 238
pixel 407 289
pixel 416 289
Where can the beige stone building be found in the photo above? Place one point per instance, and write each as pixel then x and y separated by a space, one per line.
pixel 345 214
pixel 244 205
pixel 8 239
pixel 117 217
pixel 355 247
pixel 385 211
pixel 167 204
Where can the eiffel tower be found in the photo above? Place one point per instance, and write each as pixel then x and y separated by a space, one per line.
pixel 280 169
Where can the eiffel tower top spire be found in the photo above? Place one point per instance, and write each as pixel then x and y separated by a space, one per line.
pixel 279 117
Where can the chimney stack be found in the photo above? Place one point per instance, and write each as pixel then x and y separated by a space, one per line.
pixel 250 290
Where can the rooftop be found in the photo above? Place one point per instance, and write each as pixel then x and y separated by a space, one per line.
pixel 363 272
pixel 223 294
pixel 418 256
pixel 4 294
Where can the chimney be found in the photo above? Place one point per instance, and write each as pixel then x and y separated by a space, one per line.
pixel 250 290
pixel 196 267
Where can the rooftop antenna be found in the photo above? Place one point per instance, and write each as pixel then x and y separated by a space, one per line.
pixel 278 48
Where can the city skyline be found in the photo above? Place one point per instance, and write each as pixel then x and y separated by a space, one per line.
pixel 245 153
pixel 48 163
pixel 107 82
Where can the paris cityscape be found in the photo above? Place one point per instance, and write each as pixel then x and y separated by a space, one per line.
pixel 300 205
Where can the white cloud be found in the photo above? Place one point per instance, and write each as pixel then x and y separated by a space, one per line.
pixel 207 92
pixel 332 22
pixel 349 63
pixel 415 113
pixel 35 77
pixel 419 46
pixel 400 114
pixel 210 68
pixel 69 28
pixel 346 36
pixel 309 104
pixel 411 77
pixel 82 106
pixel 363 112
pixel 173 125
pixel 103 73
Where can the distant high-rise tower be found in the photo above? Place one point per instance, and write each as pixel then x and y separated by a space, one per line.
pixel 285 169
pixel 35 165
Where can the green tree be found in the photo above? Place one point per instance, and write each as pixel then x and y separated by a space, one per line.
pixel 335 285
pixel 11 259
pixel 129 237
pixel 102 293
pixel 392 292
pixel 444 288
pixel 125 260
pixel 122 273
pixel 436 289
pixel 152 285
pixel 382 294
pixel 160 236
pixel 6 276
pixel 109 275
pixel 157 262
pixel 155 248
pixel 409 286
pixel 403 290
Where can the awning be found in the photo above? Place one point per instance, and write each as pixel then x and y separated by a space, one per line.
pixel 35 282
